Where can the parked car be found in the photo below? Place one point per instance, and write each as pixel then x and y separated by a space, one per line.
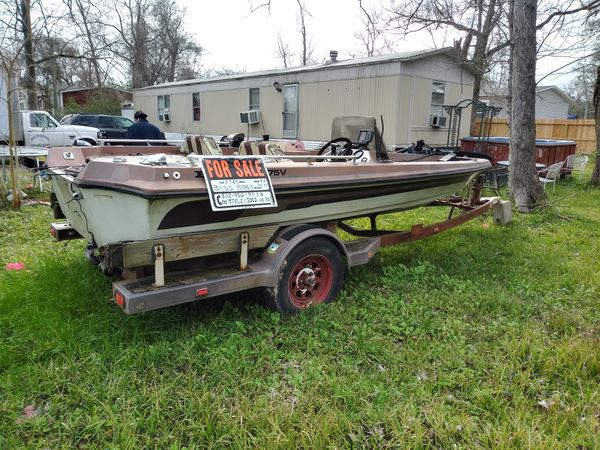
pixel 38 128
pixel 111 127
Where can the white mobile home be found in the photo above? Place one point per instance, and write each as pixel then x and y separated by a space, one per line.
pixel 407 89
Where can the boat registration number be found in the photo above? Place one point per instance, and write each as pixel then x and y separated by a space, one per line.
pixel 238 183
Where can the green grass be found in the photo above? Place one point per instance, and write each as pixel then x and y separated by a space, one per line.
pixel 449 342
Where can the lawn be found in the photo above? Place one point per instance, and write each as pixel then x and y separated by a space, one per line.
pixel 483 336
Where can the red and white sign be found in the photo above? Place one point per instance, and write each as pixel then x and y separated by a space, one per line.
pixel 238 183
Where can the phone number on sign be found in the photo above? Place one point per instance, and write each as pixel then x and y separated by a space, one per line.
pixel 243 199
pixel 252 184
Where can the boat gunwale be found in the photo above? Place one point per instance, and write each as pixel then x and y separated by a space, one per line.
pixel 280 190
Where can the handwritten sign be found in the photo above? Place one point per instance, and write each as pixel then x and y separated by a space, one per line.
pixel 238 183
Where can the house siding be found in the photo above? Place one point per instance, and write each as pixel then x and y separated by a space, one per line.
pixel 398 91
pixel 550 105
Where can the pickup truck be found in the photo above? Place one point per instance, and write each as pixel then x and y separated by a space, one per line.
pixel 38 128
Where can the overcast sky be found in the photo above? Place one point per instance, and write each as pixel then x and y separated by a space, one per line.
pixel 236 39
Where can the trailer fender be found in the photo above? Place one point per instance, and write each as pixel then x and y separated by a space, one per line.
pixel 285 241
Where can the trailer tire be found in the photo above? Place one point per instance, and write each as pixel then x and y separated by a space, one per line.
pixel 312 273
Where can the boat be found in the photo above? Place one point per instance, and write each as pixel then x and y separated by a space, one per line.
pixel 118 194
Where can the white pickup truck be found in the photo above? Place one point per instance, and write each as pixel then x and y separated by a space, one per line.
pixel 38 128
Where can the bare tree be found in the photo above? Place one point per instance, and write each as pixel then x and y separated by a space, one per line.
pixel 85 16
pixel 152 41
pixel 484 25
pixel 373 35
pixel 524 185
pixel 172 50
pixel 581 88
pixel 131 41
pixel 306 54
pixel 283 51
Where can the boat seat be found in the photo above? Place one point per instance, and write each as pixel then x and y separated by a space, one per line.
pixel 201 145
pixel 266 148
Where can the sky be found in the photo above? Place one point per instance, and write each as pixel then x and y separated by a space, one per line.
pixel 235 38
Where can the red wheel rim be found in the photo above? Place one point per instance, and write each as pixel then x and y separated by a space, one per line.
pixel 310 281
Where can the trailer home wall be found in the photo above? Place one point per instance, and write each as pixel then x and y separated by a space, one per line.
pixel 407 89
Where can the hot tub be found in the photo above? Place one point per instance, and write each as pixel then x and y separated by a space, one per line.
pixel 547 151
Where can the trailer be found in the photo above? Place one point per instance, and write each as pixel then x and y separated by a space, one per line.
pixel 298 266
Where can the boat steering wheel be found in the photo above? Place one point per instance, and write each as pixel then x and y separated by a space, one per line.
pixel 348 144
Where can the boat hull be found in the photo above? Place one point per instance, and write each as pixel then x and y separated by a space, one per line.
pixel 109 216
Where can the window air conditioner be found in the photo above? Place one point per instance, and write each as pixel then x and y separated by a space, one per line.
pixel 167 115
pixel 250 116
pixel 437 121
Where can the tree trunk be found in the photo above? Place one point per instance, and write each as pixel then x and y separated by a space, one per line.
pixel 29 62
pixel 595 181
pixel 524 185
pixel 12 151
pixel 90 41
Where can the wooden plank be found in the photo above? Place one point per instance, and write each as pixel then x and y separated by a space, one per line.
pixel 137 254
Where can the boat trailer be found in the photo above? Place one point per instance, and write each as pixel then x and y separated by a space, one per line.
pixel 299 265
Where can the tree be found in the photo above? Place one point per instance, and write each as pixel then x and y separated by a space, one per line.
pixel 24 15
pixel 283 51
pixel 595 180
pixel 483 27
pixel 581 88
pixel 376 25
pixel 152 41
pixel 306 48
pixel 85 16
pixel 524 186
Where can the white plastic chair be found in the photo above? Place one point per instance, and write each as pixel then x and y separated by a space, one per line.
pixel 579 163
pixel 552 173
pixel 569 163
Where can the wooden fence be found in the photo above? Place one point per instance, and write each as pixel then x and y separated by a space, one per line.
pixel 582 131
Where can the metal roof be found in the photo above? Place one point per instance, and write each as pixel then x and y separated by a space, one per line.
pixel 90 88
pixel 395 57
pixel 503 92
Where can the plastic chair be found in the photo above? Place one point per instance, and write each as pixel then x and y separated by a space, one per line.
pixel 579 163
pixel 552 173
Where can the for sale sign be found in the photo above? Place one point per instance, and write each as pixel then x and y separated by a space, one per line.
pixel 238 183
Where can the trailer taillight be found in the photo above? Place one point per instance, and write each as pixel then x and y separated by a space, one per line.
pixel 201 292
pixel 119 299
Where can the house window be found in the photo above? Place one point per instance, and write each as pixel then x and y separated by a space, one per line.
pixel 196 106
pixel 438 90
pixel 164 105
pixel 254 99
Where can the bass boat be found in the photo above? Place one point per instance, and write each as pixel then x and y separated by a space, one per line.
pixel 117 194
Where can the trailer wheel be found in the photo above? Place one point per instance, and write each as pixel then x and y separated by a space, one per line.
pixel 313 273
